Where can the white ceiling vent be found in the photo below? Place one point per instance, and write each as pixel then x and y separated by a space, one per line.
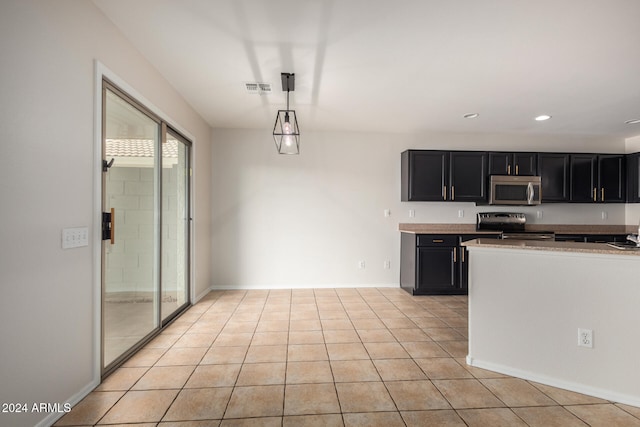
pixel 258 88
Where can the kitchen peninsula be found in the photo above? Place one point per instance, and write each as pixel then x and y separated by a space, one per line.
pixel 527 301
pixel 434 262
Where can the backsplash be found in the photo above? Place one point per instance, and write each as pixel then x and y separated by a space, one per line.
pixel 633 214
pixel 560 213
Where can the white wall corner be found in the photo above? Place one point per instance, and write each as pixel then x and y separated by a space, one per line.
pixel 632 145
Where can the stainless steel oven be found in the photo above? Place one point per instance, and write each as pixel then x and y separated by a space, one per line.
pixel 515 190
pixel 512 225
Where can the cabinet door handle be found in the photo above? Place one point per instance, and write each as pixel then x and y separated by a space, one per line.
pixel 454 255
pixel 508 169
pixel 437 241
pixel 595 192
pixel 517 170
pixel 453 193
pixel 462 251
pixel 602 194
pixel 444 192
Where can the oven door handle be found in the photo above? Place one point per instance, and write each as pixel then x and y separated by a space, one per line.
pixel 532 236
pixel 530 193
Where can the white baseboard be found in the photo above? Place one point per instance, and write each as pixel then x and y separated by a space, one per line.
pixel 74 400
pixel 314 286
pixel 555 382
pixel 202 294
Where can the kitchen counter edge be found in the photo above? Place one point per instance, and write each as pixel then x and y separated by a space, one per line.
pixel 537 245
pixel 422 228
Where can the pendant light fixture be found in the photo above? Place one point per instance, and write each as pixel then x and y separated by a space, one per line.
pixel 286 133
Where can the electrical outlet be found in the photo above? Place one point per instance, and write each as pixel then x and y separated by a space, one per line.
pixel 585 338
pixel 460 213
pixel 361 265
pixel 387 265
pixel 412 213
pixel 387 213
pixel 605 215
pixel 539 214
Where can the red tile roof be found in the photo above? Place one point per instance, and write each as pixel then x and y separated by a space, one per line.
pixel 139 148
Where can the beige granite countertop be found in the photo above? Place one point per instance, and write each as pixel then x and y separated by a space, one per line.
pixel 584 228
pixel 441 229
pixel 421 228
pixel 537 245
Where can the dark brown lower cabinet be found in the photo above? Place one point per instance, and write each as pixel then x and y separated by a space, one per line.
pixel 436 270
pixel 435 264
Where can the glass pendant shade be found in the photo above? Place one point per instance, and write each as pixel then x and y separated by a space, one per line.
pixel 286 133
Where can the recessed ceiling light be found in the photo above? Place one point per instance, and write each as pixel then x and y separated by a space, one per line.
pixel 542 117
pixel 471 115
pixel 633 122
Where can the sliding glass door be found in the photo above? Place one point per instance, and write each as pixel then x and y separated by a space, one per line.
pixel 145 250
pixel 175 224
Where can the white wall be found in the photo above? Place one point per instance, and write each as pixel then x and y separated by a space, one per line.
pixel 303 220
pixel 308 220
pixel 46 183
pixel 632 144
pixel 632 214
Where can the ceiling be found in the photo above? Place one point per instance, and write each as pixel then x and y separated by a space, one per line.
pixel 403 66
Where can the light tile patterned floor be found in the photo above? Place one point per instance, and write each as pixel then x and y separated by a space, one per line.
pixel 326 357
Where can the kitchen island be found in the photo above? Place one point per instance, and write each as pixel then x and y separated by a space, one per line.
pixel 433 261
pixel 527 300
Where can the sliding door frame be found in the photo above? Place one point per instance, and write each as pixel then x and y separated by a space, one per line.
pixel 166 129
pixel 103 76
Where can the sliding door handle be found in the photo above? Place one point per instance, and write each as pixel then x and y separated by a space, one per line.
pixel 108 226
pixel 112 235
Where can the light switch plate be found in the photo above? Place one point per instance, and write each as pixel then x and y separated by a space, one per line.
pixel 75 237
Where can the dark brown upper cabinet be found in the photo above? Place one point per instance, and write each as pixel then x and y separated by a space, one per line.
pixel 425 175
pixel 553 169
pixel 598 178
pixel 518 163
pixel 468 176
pixel 432 175
pixel 462 176
pixel 633 178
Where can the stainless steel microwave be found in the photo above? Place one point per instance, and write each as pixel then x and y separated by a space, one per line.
pixel 514 190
